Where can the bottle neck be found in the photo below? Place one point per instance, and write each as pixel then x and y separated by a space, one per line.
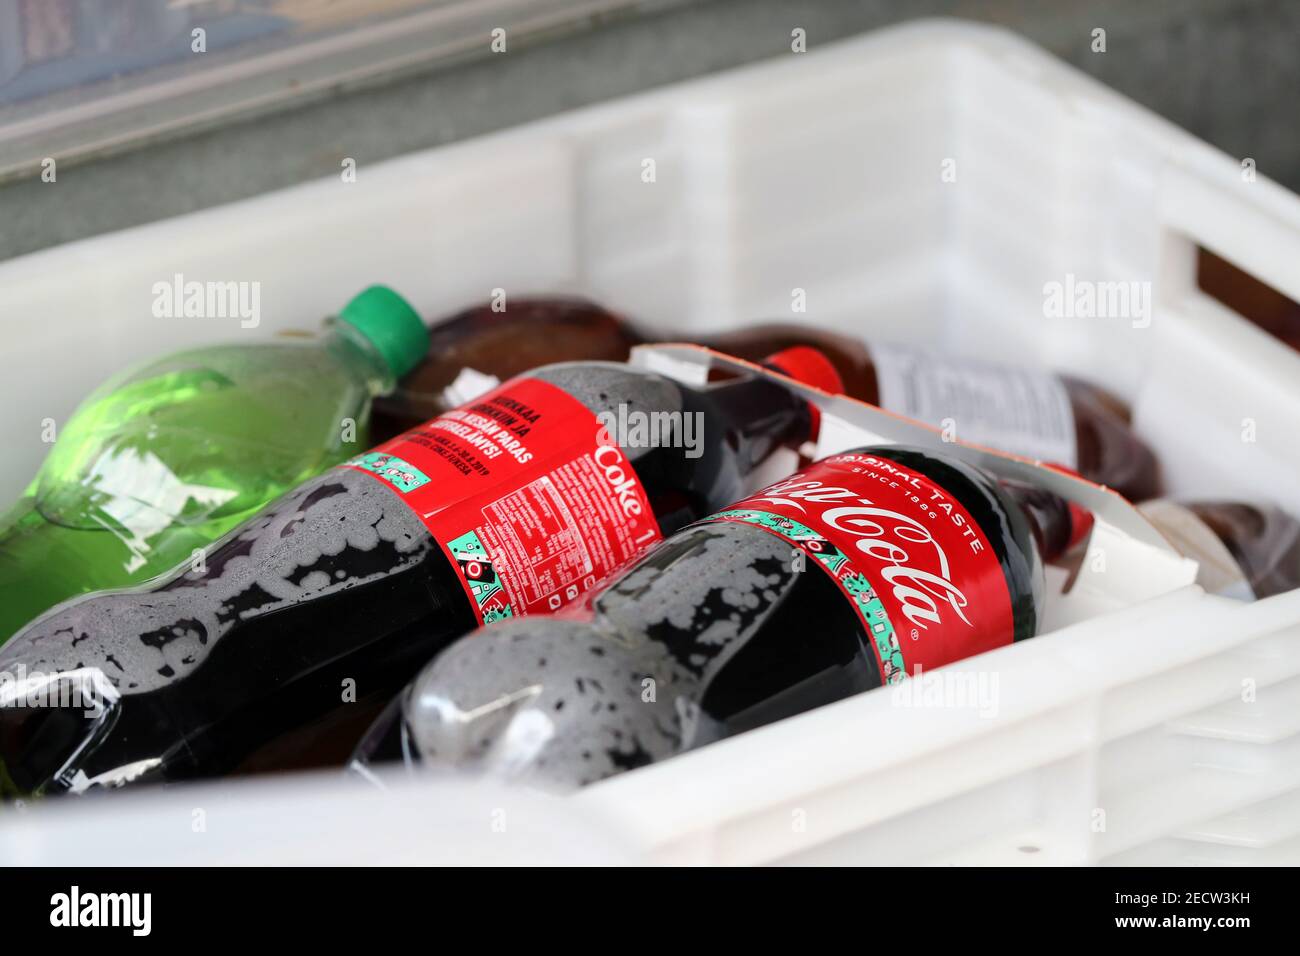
pixel 759 416
pixel 849 356
pixel 1056 523
pixel 358 354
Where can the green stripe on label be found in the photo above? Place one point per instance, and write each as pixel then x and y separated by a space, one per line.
pixel 481 578
pixel 398 472
pixel 852 581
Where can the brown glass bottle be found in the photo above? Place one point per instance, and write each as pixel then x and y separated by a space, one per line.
pixel 1056 418
pixel 529 334
pixel 1245 550
pixel 1105 449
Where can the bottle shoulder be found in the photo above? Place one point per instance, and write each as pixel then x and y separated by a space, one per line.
pixel 325 536
pixel 550 699
pixel 1002 521
pixel 610 386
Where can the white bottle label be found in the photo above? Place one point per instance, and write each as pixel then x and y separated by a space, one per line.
pixel 1024 412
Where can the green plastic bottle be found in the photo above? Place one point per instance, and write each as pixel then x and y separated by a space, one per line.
pixel 165 458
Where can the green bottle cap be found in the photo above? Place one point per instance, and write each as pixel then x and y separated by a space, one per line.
pixel 391 325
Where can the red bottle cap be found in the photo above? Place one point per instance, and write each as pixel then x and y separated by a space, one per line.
pixel 1081 522
pixel 810 367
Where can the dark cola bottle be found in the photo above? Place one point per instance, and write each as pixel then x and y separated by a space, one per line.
pixel 862 569
pixel 330 599
pixel 1245 551
pixel 1041 415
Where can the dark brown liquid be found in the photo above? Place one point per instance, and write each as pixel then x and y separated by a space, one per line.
pixel 1264 541
pixel 535 332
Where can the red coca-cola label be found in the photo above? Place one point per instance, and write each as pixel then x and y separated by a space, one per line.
pixel 525 492
pixel 920 572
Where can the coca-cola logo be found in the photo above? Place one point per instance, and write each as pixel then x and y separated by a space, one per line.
pixel 912 562
pixel 620 481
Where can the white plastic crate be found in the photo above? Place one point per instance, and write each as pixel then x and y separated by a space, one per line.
pixel 1123 738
